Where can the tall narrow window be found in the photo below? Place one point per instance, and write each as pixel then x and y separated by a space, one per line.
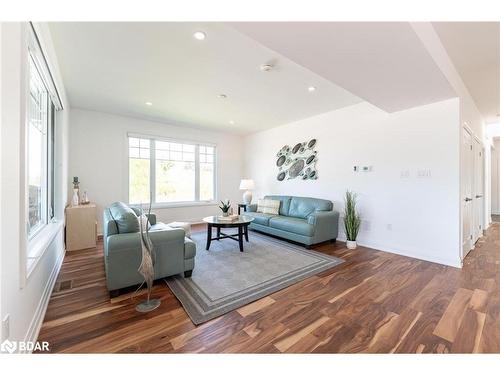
pixel 207 173
pixel 38 116
pixel 174 172
pixel 139 170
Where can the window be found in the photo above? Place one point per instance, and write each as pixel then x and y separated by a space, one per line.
pixel 170 171
pixel 40 155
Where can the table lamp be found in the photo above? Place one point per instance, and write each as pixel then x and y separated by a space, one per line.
pixel 247 185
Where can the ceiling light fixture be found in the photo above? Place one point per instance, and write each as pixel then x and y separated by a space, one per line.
pixel 200 35
pixel 222 96
pixel 311 88
pixel 231 122
pixel 149 104
pixel 266 67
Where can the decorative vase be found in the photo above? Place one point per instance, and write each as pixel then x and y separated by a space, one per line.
pixel 75 201
pixel 225 214
pixel 351 244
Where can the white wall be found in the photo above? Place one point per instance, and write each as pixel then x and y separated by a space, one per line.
pixel 24 299
pixel 98 156
pixel 469 114
pixel 423 212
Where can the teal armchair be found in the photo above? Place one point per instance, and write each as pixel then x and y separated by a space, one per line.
pixel 122 248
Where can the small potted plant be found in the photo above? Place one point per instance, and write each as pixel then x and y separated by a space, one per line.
pixel 225 208
pixel 352 220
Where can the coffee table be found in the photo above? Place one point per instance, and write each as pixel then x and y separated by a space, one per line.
pixel 242 225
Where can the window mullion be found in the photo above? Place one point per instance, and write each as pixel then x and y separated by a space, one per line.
pixel 197 173
pixel 152 170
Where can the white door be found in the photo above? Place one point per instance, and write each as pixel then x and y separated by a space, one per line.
pixel 467 187
pixel 478 189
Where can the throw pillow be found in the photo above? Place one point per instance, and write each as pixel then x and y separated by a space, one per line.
pixel 268 206
pixel 125 218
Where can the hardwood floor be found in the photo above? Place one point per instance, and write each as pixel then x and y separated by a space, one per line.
pixel 374 302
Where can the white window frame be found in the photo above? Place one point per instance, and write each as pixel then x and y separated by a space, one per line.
pixel 152 171
pixel 34 245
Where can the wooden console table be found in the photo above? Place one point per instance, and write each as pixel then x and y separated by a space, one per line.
pixel 81 227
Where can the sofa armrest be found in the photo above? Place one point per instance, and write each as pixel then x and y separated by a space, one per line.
pixel 131 241
pixel 252 207
pixel 326 224
pixel 151 217
pixel 189 248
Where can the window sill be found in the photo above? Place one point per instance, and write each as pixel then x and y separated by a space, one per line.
pixel 39 244
pixel 176 205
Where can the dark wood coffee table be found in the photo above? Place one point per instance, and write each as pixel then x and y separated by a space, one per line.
pixel 242 225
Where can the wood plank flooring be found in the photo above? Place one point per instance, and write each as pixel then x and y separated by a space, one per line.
pixel 375 302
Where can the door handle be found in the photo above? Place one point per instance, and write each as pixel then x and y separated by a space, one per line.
pixel 479 196
pixel 467 199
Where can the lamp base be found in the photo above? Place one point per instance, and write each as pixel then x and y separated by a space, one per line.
pixel 247 197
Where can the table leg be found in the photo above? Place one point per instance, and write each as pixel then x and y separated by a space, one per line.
pixel 246 233
pixel 240 237
pixel 209 235
pixel 218 233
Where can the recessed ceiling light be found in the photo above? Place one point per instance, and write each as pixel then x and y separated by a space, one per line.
pixel 311 88
pixel 266 67
pixel 149 104
pixel 231 122
pixel 200 35
pixel 222 96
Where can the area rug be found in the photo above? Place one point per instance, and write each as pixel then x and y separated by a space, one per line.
pixel 225 279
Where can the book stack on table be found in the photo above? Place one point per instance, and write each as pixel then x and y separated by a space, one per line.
pixel 228 219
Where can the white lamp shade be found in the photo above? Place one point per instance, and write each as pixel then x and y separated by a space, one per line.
pixel 247 185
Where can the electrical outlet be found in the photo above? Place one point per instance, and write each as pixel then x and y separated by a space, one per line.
pixel 356 168
pixel 367 168
pixel 6 327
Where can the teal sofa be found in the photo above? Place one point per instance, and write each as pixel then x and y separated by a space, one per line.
pixel 308 221
pixel 122 248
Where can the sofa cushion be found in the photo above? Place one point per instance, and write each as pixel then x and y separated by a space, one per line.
pixel 158 226
pixel 285 202
pixel 259 217
pixel 292 224
pixel 268 206
pixel 125 218
pixel 301 207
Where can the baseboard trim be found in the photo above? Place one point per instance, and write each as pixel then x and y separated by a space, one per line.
pixel 375 246
pixel 37 321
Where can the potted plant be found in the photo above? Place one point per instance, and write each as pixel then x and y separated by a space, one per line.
pixel 352 220
pixel 225 208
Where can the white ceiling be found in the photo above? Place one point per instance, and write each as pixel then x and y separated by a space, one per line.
pixel 384 63
pixel 474 48
pixel 117 67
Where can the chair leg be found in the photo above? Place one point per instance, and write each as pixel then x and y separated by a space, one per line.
pixel 114 293
pixel 188 273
